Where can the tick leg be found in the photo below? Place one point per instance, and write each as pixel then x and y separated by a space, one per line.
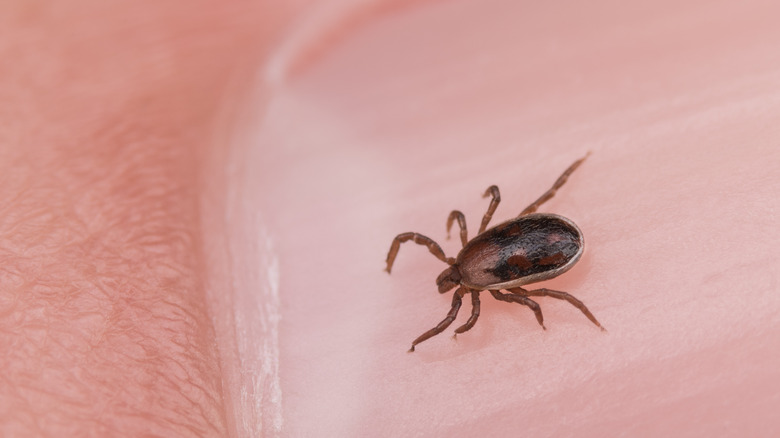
pixel 550 193
pixel 456 214
pixel 474 313
pixel 519 299
pixel 492 190
pixel 456 302
pixel 559 295
pixel 419 239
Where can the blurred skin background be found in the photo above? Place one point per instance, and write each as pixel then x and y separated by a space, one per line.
pixel 197 200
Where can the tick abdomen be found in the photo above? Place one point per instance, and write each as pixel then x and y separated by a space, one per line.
pixel 520 251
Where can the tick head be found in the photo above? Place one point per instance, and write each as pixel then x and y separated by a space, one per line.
pixel 448 279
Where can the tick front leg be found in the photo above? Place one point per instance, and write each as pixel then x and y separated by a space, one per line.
pixel 419 239
pixel 456 214
pixel 533 305
pixel 550 193
pixel 456 302
pixel 474 314
pixel 559 295
pixel 492 190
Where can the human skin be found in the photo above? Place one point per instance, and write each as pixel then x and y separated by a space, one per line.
pixel 197 202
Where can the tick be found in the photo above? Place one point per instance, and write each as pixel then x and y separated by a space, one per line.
pixel 527 249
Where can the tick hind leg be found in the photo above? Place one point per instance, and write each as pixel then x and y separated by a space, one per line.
pixel 492 190
pixel 519 291
pixel 456 303
pixel 550 193
pixel 519 299
pixel 419 239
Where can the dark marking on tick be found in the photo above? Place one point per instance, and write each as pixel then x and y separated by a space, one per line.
pixel 524 247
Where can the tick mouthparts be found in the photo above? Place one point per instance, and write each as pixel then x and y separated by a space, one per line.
pixel 448 279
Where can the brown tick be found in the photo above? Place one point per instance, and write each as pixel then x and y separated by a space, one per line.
pixel 527 249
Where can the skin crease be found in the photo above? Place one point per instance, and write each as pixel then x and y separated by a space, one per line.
pixel 108 114
pixel 198 199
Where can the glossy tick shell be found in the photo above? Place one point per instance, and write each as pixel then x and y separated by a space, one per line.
pixel 527 249
pixel 521 251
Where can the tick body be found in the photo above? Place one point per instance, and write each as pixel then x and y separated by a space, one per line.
pixel 527 249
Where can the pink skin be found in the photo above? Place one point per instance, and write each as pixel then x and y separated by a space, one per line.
pixel 197 201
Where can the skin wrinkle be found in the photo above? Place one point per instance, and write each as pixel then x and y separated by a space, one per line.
pixel 107 330
pixel 110 110
pixel 122 323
